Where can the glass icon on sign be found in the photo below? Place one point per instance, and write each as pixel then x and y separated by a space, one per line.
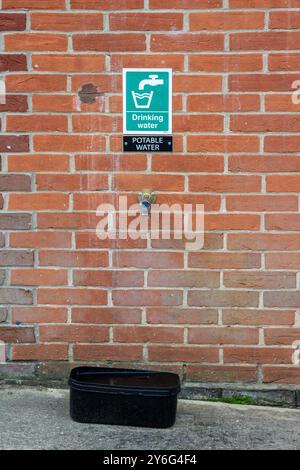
pixel 143 100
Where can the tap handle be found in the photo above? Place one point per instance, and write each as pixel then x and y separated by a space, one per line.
pixel 153 76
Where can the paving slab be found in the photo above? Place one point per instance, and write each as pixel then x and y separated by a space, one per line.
pixel 38 418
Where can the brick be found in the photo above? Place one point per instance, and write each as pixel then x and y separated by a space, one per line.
pixel 154 260
pixel 224 183
pixel 197 83
pixel 72 258
pixel 13 62
pixel 73 333
pixel 72 296
pixel 181 316
pixel 264 164
pixel 183 279
pixel 146 21
pixel 13 182
pixel 222 143
pixel 282 299
pixel 232 222
pixel 15 221
pixel 198 123
pixel 221 373
pixel 282 144
pixel 33 4
pixel 109 352
pixel 225 63
pixel 36 42
pixel 16 258
pixel 187 42
pixel 281 336
pixel 40 352
pixel 191 4
pixel 183 354
pixel 227 20
pixel 12 22
pixel 263 242
pixel 16 103
pixel 38 162
pixel 264 3
pixel 104 162
pixel 35 314
pixel 107 4
pixel 69 143
pixel 281 375
pixel 221 335
pixel 262 203
pixel 100 123
pixel 66 21
pixel 265 123
pixel 147 297
pixel 261 317
pixel 2 239
pixel 264 41
pixel 15 296
pixel 284 20
pixel 147 334
pixel 223 103
pixel 39 277
pixel 36 123
pixel 90 240
pixel 223 299
pixel 261 82
pixel 48 220
pixel 281 103
pixel 56 103
pixel 35 82
pixel 283 222
pixel 71 182
pixel 258 355
pixel 134 182
pixel 108 278
pixel 38 201
pixel 69 63
pixel 3 315
pixel 104 84
pixel 106 315
pixel 2 277
pixel 283 184
pixel 260 280
pixel 284 62
pixel 14 143
pixel 109 42
pixel 173 61
pixel 283 260
pixel 12 334
pixel 40 239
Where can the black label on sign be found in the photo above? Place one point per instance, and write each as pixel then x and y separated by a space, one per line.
pixel 148 143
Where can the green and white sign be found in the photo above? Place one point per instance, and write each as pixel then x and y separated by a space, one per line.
pixel 147 101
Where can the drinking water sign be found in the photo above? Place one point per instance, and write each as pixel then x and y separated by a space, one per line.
pixel 147 109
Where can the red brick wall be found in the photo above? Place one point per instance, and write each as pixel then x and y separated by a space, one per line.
pixel 226 313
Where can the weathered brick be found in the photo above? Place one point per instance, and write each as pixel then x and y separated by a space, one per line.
pixel 16 258
pixel 15 296
pixel 15 221
pixel 15 183
pixel 13 62
pixel 14 143
pixel 12 334
pixel 12 22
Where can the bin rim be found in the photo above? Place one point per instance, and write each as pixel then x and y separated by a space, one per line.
pixel 140 390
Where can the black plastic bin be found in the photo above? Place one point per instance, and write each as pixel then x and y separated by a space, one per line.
pixel 123 396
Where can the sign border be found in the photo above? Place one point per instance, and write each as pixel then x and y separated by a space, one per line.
pixel 124 82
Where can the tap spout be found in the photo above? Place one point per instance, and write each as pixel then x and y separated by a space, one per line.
pixel 152 81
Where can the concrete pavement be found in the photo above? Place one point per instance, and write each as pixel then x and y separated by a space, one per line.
pixel 38 418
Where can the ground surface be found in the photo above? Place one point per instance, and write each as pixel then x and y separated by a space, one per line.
pixel 33 418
